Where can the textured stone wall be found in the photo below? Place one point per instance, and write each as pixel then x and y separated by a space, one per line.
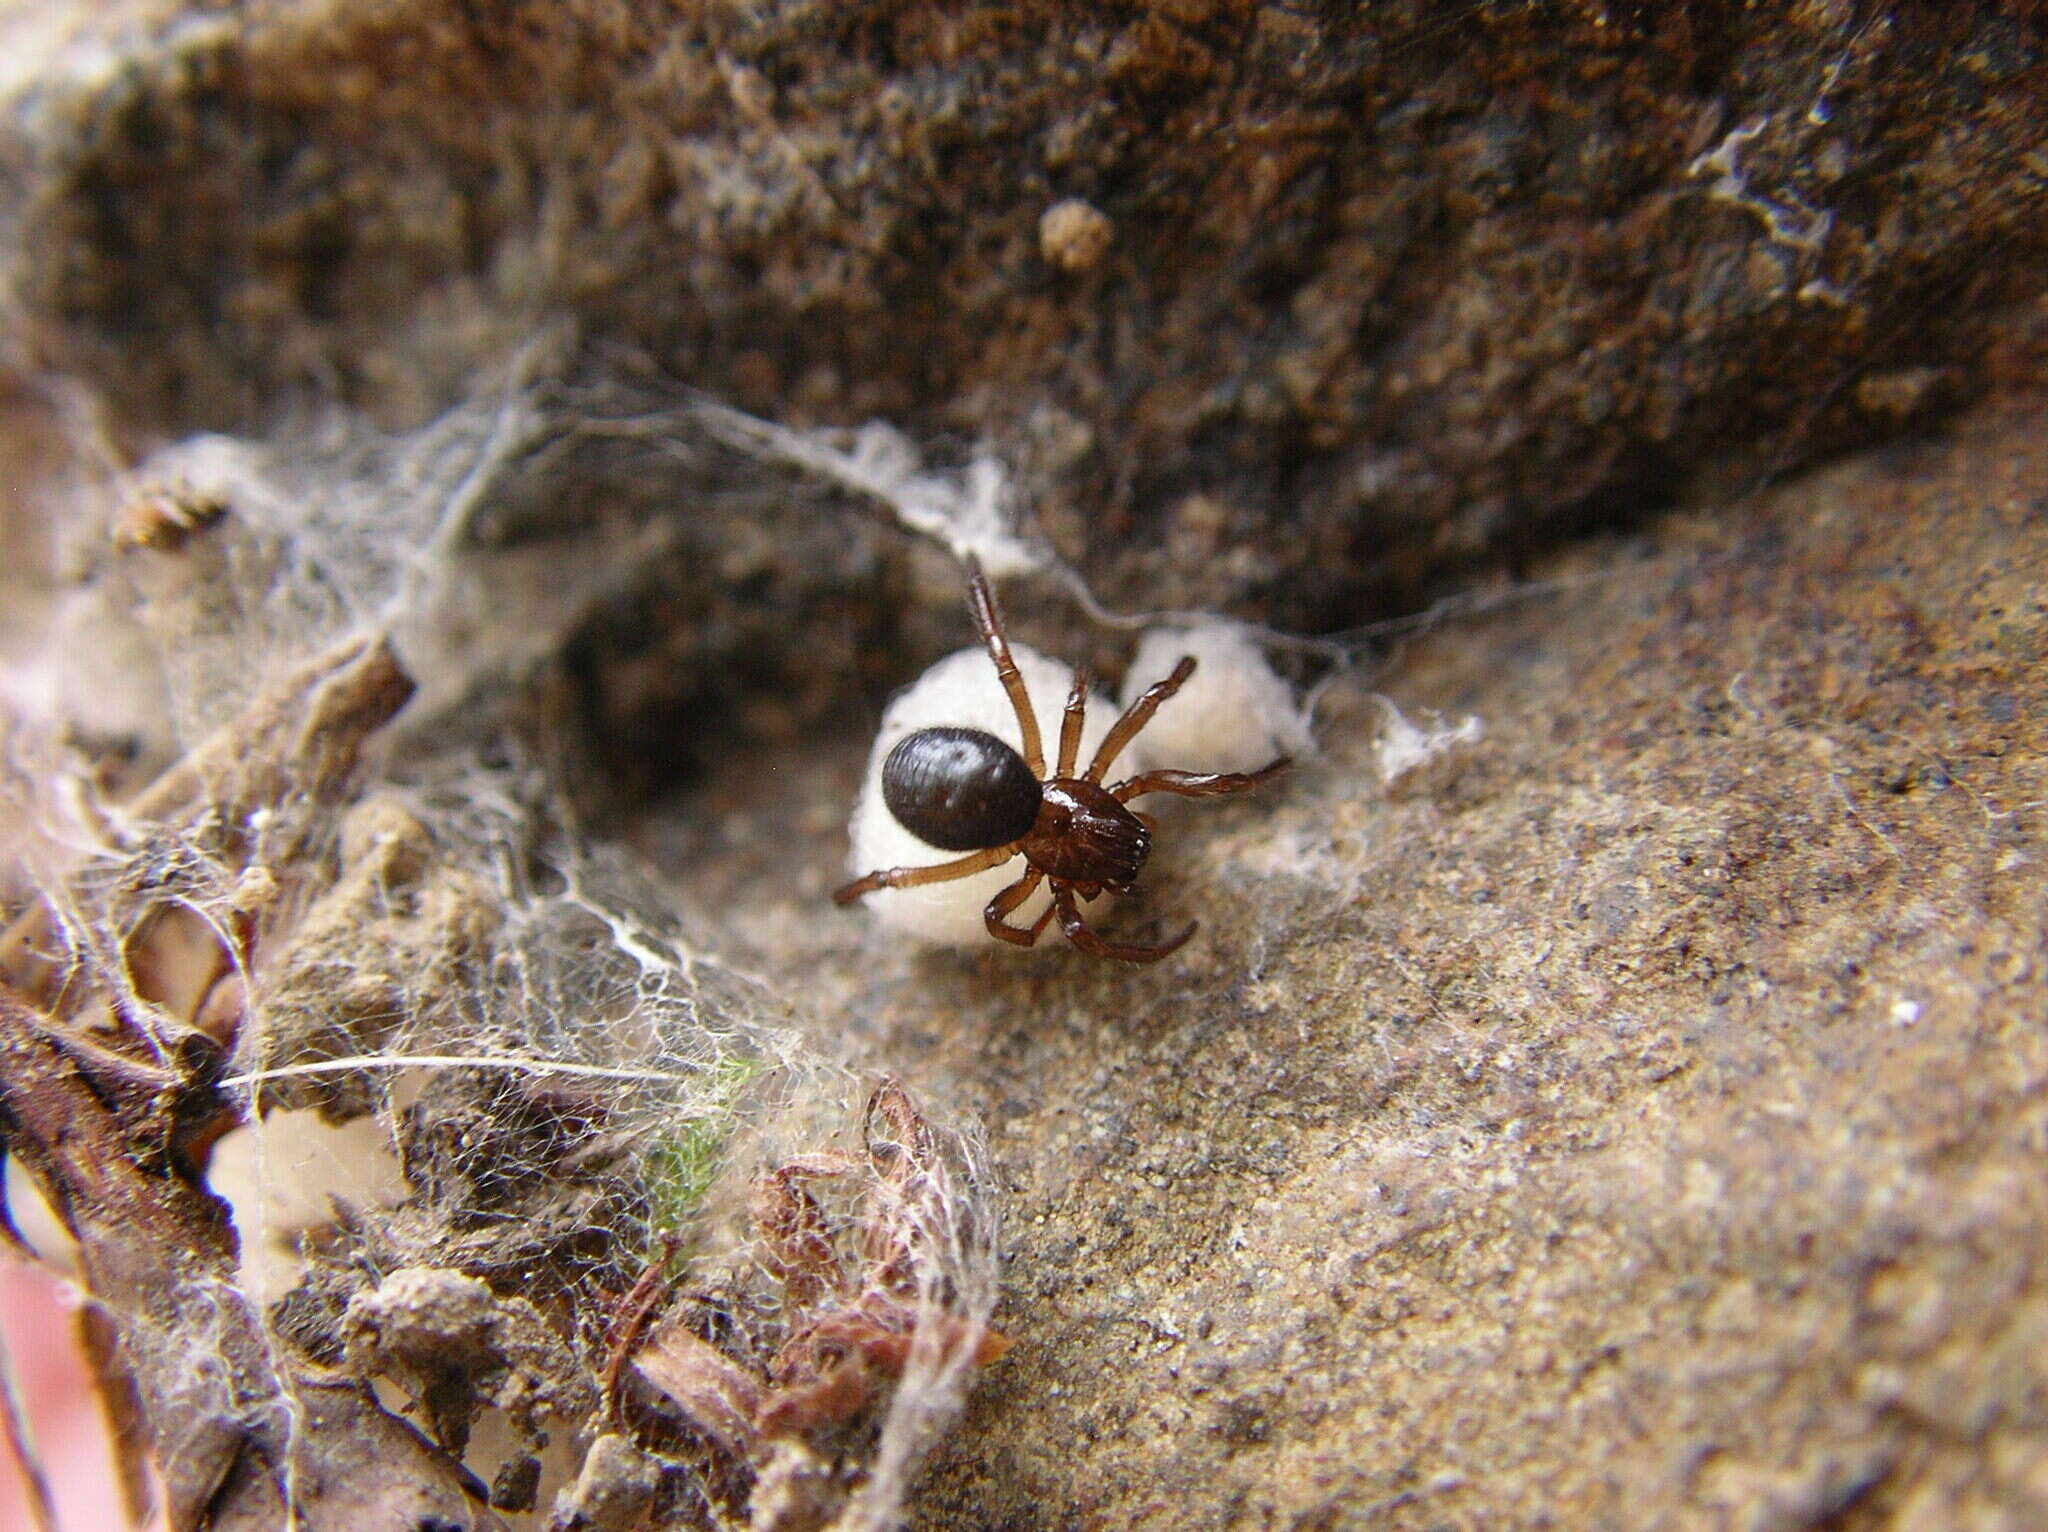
pixel 1366 294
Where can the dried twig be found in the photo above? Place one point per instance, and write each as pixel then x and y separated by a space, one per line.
pixel 116 1128
pixel 21 1441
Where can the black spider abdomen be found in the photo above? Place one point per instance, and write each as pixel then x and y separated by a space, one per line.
pixel 960 789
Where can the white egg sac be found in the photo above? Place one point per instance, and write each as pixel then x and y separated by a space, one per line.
pixel 1234 714
pixel 962 690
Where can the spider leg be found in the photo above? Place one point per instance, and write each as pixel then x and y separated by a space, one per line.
pixel 1095 946
pixel 981 601
pixel 996 916
pixel 1044 919
pixel 1070 722
pixel 1197 784
pixel 1136 716
pixel 940 872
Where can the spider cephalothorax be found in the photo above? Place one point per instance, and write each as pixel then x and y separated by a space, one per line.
pixel 964 790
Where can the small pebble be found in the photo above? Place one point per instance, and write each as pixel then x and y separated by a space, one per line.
pixel 1074 235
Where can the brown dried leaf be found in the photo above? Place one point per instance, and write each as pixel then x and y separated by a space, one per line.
pixel 823 1404
pixel 796 1239
pixel 719 1397
pixel 302 736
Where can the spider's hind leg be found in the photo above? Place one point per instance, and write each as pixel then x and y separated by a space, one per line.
pixel 939 872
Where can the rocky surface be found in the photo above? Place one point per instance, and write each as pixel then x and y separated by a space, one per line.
pixel 1285 307
pixel 1632 1118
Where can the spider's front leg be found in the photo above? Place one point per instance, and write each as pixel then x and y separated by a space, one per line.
pixel 997 916
pixel 1077 932
pixel 1197 784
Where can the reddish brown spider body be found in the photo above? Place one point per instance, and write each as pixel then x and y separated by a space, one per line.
pixel 965 790
pixel 1085 836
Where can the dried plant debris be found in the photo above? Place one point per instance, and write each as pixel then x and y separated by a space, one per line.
pixel 457 1346
pixel 859 1294
pixel 164 518
pixel 310 921
pixel 112 1096
pixel 576 1099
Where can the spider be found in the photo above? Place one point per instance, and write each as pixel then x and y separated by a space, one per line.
pixel 965 790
